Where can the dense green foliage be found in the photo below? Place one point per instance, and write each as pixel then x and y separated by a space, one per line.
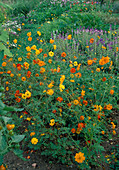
pixel 64 74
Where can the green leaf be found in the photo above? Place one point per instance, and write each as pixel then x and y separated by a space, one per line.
pixel 6 50
pixel 17 138
pixel 2 105
pixel 7 108
pixel 6 119
pixel 4 36
pixel 3 143
pixel 19 153
pixel 18 109
pixel 1 160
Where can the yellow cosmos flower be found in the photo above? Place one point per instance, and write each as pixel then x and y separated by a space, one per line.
pixel 33 47
pixel 29 34
pixel 98 69
pixel 82 93
pixel 62 87
pixel 7 88
pixel 51 54
pixel 42 70
pixel 75 63
pixel 69 37
pixel 21 116
pixel 103 47
pixel 52 122
pixel 28 48
pixel 15 41
pixel 62 79
pixel 72 81
pixel 28 94
pixel 39 33
pixel 50 85
pixel 79 157
pixel 42 134
pixel 34 141
pixel 18 29
pixel 28 118
pixel 54 47
pixel 37 52
pixel 70 65
pixel 72 75
pixel 76 102
pixel 23 96
pixel 50 92
pixel 19 59
pixel 11 75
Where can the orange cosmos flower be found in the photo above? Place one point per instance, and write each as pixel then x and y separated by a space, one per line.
pixel 29 34
pixel 69 37
pixel 91 40
pixel 94 60
pixel 73 130
pixel 58 69
pixel 32 133
pixel 104 79
pixel 12 75
pixel 76 102
pixel 60 99
pixel 18 99
pixel 7 88
pixel 28 74
pixel 51 41
pixel 41 63
pixel 73 70
pixel 106 59
pixel 81 117
pixel 5 56
pixel 111 92
pixel 15 41
pixel 109 107
pixel 37 75
pixel 42 70
pixel 30 39
pixel 23 78
pixel 85 102
pixel 40 49
pixel 69 104
pixel 14 65
pixel 63 54
pixel 78 75
pixel 9 72
pixel 19 67
pixel 90 62
pixel 82 93
pixel 4 64
pixel 45 55
pixel 114 132
pixel 78 67
pixel 79 157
